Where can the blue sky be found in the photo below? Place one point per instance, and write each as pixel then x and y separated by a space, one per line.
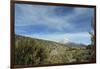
pixel 54 23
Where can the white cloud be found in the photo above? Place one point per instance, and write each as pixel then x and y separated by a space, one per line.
pixel 33 15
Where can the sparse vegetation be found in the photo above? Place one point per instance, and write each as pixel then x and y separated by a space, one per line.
pixel 31 51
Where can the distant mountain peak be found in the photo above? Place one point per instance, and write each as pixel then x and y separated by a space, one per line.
pixel 64 41
pixel 70 43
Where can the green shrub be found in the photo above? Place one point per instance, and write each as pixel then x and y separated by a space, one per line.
pixel 31 51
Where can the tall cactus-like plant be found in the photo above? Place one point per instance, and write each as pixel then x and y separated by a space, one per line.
pixel 92 32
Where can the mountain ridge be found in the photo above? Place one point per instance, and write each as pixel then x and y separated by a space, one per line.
pixel 69 43
pixel 31 51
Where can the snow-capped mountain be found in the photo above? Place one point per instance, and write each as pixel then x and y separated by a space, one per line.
pixel 70 43
pixel 64 41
